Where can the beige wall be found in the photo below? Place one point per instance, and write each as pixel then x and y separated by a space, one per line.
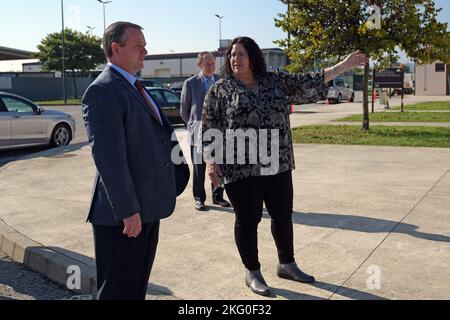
pixel 429 82
pixel 171 68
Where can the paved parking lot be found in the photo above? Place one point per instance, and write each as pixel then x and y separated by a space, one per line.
pixel 370 223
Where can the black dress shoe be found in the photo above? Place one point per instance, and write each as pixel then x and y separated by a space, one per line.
pixel 255 281
pixel 223 203
pixel 200 206
pixel 292 272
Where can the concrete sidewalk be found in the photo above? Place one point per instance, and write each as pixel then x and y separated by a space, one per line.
pixel 320 113
pixel 369 222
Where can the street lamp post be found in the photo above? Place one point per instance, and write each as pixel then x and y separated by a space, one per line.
pixel 104 3
pixel 63 53
pixel 220 36
pixel 91 30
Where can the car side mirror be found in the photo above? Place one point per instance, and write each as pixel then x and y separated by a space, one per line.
pixel 39 110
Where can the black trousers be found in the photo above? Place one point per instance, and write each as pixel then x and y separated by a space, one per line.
pixel 199 178
pixel 247 197
pixel 124 264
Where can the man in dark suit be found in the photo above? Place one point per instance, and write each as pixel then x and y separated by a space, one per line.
pixel 136 185
pixel 192 99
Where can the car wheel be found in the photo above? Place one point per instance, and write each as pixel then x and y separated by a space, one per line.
pixel 61 136
pixel 352 99
pixel 339 99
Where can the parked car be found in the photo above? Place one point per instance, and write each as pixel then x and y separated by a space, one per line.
pixel 151 83
pixel 168 102
pixel 177 87
pixel 24 124
pixel 338 90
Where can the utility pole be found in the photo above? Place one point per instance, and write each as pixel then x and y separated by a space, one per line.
pixel 91 30
pixel 104 3
pixel 220 37
pixel 63 41
pixel 289 29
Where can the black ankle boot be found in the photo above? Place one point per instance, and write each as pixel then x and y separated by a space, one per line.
pixel 255 281
pixel 292 272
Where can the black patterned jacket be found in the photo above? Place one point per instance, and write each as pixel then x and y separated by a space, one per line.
pixel 230 105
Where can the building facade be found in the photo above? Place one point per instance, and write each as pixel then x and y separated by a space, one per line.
pixel 184 65
pixel 432 79
pixel 31 67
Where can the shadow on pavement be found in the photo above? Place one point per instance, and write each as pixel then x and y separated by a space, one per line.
pixel 347 292
pixel 157 290
pixel 37 152
pixel 363 224
pixel 7 156
pixel 353 223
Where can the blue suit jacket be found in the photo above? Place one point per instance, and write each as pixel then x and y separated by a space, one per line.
pixel 132 153
pixel 191 104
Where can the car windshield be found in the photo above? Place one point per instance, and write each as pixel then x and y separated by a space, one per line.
pixel 339 83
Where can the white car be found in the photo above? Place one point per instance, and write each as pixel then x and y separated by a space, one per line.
pixel 24 124
pixel 338 90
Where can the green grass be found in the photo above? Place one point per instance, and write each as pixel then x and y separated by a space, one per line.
pixel 59 102
pixel 401 117
pixel 434 106
pixel 376 136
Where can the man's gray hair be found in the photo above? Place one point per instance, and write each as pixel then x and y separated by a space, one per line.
pixel 116 33
pixel 202 56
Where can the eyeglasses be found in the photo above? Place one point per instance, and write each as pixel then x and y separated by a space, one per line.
pixel 236 55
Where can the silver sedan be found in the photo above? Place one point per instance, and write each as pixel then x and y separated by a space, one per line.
pixel 24 124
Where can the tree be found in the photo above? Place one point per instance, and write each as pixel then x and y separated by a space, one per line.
pixel 83 53
pixel 389 60
pixel 326 28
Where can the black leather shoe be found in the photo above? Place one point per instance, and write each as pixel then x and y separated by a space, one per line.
pixel 223 203
pixel 255 281
pixel 200 206
pixel 292 272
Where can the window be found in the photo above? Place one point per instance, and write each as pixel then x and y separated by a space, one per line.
pixel 340 83
pixel 158 97
pixel 2 106
pixel 16 105
pixel 440 67
pixel 171 98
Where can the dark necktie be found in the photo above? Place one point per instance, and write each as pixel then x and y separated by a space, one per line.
pixel 141 90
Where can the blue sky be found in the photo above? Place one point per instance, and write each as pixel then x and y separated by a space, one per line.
pixel 170 26
pixel 180 25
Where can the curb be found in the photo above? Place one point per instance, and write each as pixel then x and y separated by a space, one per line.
pixel 46 261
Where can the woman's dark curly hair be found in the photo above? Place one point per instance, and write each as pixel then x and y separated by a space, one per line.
pixel 257 63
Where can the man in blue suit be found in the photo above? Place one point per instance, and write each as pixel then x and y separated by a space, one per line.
pixel 191 108
pixel 136 183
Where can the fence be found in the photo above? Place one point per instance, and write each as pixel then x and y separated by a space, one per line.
pixel 43 89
